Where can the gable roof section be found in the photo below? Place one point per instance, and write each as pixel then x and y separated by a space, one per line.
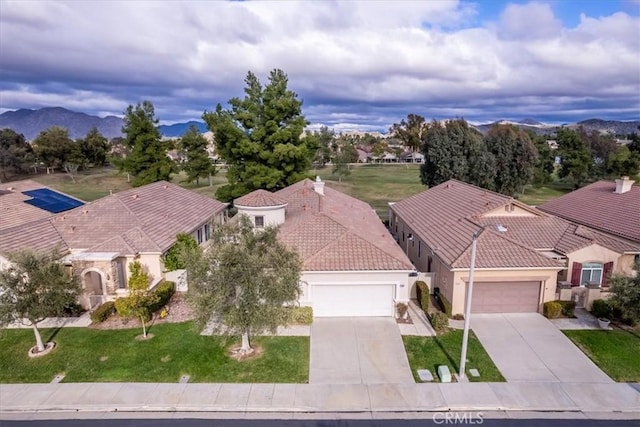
pixel 143 219
pixel 598 206
pixel 446 216
pixel 336 232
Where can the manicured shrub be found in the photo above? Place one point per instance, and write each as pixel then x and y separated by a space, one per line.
pixel 444 303
pixel 458 316
pixel 439 321
pixel 163 292
pixel 73 310
pixel 552 309
pixel 126 307
pixel 602 308
pixel 301 315
pixel 568 308
pixel 422 292
pixel 103 312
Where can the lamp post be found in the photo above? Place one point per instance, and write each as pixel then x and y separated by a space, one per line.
pixel 409 239
pixel 467 306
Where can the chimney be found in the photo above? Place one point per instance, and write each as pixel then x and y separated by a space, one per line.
pixel 318 185
pixel 623 185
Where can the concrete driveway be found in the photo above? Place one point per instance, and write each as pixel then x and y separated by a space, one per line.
pixel 528 347
pixel 357 350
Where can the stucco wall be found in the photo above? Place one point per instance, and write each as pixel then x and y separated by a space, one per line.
pixel 622 264
pixel 398 278
pixel 547 277
pixel 272 215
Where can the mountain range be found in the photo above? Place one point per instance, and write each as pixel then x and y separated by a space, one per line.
pixel 31 122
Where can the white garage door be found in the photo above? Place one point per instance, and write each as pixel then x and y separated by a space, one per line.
pixel 505 297
pixel 352 300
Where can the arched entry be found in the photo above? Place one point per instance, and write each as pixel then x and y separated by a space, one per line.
pixel 93 286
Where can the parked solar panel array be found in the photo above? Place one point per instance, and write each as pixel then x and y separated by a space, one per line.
pixel 51 201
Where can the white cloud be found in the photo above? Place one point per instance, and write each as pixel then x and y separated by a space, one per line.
pixel 386 58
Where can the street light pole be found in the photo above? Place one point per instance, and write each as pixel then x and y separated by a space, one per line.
pixel 409 239
pixel 467 308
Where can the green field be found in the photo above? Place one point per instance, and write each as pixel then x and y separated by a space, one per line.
pixel 90 355
pixel 375 184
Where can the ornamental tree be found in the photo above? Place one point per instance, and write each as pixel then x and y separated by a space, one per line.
pixel 243 281
pixel 35 286
pixel 139 301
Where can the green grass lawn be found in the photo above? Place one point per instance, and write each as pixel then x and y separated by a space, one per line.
pixel 616 352
pixel 430 352
pixel 535 195
pixel 377 184
pixel 176 349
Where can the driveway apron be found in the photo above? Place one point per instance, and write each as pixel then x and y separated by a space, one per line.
pixel 357 350
pixel 528 347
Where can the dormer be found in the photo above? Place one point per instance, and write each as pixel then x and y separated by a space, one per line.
pixel 263 207
pixel 510 209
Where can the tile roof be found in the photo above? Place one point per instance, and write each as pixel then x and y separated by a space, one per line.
pixel 260 198
pixel 13 209
pixel 143 219
pixel 598 206
pixel 336 232
pixel 446 216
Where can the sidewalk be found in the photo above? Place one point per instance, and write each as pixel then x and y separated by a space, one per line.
pixel 57 322
pixel 299 398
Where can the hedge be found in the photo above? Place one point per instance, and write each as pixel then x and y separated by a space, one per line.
pixel 422 291
pixel 301 315
pixel 444 303
pixel 568 308
pixel 439 321
pixel 103 312
pixel 552 309
pixel 602 308
pixel 164 291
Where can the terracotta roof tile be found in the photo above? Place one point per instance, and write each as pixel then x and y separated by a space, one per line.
pixel 260 198
pixel 598 206
pixel 336 232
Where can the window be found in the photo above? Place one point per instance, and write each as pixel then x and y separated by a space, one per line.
pixel 591 272
pixel 199 235
pixel 259 221
pixel 419 248
pixel 636 259
pixel 207 232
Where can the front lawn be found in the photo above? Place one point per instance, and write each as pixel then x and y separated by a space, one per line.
pixel 89 355
pixel 430 352
pixel 616 352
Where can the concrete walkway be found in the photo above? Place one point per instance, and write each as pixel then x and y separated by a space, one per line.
pixel 57 322
pixel 527 347
pixel 583 320
pixel 297 398
pixel 357 350
pixel 421 326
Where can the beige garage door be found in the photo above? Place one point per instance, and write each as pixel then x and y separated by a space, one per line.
pixel 505 297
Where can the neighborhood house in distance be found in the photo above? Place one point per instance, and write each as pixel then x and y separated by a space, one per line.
pixel 352 266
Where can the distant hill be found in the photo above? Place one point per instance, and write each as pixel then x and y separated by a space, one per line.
pixel 31 122
pixel 613 127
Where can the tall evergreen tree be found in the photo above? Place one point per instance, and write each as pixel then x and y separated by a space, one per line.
pixel 259 137
pixel 16 153
pixel 94 147
pixel 148 161
pixel 576 158
pixel 515 157
pixel 545 162
pixel 198 164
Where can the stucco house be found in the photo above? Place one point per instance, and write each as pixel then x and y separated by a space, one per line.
pixel 351 264
pixel 525 256
pixel 100 239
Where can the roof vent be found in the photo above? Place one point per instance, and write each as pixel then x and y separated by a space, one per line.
pixel 135 196
pixel 623 185
pixel 165 186
pixel 318 186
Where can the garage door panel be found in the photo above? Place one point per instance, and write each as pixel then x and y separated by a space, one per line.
pixel 505 297
pixel 352 300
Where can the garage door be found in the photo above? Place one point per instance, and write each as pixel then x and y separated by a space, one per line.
pixel 505 297
pixel 352 300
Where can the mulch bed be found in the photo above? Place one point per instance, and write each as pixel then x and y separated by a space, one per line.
pixel 179 311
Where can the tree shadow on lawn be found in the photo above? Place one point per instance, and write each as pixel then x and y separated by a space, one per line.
pixel 54 332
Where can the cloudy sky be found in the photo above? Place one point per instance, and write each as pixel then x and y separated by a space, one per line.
pixel 356 64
